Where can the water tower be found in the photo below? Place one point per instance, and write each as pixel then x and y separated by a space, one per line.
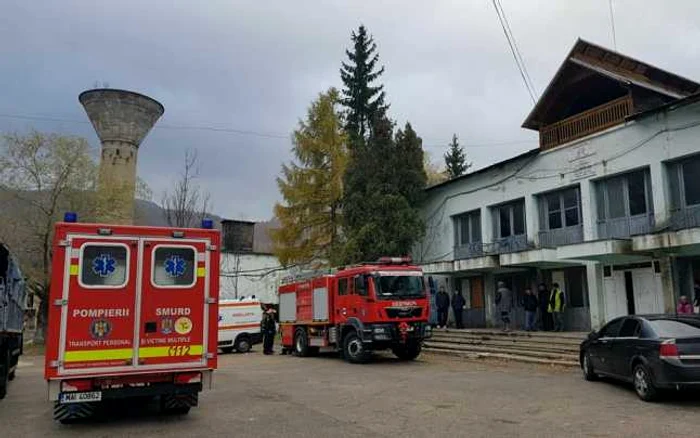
pixel 122 120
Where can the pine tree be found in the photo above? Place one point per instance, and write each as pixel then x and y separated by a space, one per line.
pixel 362 100
pixel 312 186
pixel 455 160
pixel 410 176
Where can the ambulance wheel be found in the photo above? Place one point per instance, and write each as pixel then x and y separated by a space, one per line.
pixel 71 413
pixel 409 351
pixel 353 349
pixel 301 343
pixel 178 404
pixel 242 344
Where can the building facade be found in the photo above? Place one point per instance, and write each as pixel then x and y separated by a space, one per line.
pixel 608 206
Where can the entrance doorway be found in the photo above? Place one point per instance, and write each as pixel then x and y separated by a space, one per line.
pixel 633 289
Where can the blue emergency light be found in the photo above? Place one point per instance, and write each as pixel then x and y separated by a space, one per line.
pixel 70 216
pixel 207 223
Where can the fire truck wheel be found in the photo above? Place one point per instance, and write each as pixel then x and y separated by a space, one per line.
pixel 242 344
pixel 4 371
pixel 353 349
pixel 301 343
pixel 409 351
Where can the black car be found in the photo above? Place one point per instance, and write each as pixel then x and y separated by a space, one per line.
pixel 653 352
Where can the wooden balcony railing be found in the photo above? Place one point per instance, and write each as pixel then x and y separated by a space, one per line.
pixel 585 123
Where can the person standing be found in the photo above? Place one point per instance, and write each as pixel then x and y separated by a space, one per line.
pixel 442 302
pixel 268 330
pixel 543 299
pixel 530 306
pixel 557 304
pixel 504 301
pixel 684 307
pixel 458 305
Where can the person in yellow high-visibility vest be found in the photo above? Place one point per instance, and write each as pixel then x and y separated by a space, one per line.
pixel 557 304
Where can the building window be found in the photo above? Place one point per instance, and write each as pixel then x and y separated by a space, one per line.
pixel 685 186
pixel 509 219
pixel 624 196
pixel 560 209
pixel 468 227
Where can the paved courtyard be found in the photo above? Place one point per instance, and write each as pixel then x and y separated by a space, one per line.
pixel 436 396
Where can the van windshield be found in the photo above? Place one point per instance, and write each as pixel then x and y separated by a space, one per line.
pixel 399 285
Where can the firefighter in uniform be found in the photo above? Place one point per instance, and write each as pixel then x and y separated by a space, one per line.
pixel 268 330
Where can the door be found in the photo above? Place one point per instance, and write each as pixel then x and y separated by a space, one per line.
pixel 601 348
pixel 629 293
pixel 99 292
pixel 624 346
pixel 647 291
pixel 344 300
pixel 473 292
pixel 615 295
pixel 173 317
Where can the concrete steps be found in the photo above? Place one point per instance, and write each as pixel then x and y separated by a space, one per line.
pixel 531 347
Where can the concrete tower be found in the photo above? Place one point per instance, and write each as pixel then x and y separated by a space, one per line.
pixel 122 119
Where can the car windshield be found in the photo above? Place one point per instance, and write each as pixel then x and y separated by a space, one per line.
pixel 668 328
pixel 399 285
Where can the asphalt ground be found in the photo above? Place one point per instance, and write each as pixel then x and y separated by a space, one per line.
pixel 434 396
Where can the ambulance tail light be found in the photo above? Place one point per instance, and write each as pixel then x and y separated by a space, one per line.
pixel 76 385
pixel 188 378
pixel 394 260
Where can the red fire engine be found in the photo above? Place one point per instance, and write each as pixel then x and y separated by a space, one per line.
pixel 133 313
pixel 356 310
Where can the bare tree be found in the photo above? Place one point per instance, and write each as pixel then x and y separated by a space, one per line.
pixel 187 204
pixel 41 176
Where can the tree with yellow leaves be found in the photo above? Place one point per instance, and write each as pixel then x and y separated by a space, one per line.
pixel 312 188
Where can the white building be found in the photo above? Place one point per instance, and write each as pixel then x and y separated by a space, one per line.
pixel 248 267
pixel 608 206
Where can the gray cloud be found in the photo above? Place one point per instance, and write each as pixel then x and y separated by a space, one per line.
pixel 257 65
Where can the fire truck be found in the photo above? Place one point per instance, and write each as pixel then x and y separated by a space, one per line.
pixel 356 310
pixel 133 313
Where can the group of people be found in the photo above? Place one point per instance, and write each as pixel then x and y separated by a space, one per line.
pixel 547 304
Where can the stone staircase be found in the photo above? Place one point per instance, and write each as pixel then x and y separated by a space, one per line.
pixel 533 347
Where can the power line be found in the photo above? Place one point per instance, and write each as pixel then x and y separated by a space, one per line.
pixel 612 24
pixel 517 50
pixel 521 68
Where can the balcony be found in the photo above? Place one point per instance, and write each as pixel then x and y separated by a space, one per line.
pixel 508 244
pixel 624 227
pixel 561 236
pixel 688 217
pixel 585 123
pixel 470 250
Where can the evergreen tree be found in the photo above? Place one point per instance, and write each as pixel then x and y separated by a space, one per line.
pixel 455 160
pixel 410 176
pixel 362 100
pixel 379 218
pixel 312 188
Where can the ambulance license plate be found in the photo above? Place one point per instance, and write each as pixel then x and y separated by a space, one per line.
pixel 80 397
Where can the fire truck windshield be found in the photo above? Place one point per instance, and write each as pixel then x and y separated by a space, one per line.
pixel 398 285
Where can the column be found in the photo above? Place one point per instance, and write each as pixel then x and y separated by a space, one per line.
pixel 532 220
pixel 486 225
pixel 596 294
pixel 667 284
pixel 589 212
pixel 659 193
pixel 490 300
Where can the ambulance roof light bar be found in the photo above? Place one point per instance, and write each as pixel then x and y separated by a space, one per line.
pixel 70 216
pixel 394 260
pixel 207 223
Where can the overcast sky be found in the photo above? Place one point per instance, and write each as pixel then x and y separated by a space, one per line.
pixel 256 66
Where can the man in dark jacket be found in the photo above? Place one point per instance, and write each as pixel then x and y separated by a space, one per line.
pixel 268 329
pixel 442 302
pixel 530 306
pixel 543 299
pixel 458 308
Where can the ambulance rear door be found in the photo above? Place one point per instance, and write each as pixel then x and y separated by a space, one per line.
pixel 98 304
pixel 174 300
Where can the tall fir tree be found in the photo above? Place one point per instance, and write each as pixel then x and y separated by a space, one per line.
pixel 312 186
pixel 455 160
pixel 410 176
pixel 362 100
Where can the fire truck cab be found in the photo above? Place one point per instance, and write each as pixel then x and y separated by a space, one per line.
pixel 357 310
pixel 133 313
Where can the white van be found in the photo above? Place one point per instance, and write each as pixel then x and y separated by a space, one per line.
pixel 239 324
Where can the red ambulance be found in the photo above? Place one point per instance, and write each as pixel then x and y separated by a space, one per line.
pixel 132 313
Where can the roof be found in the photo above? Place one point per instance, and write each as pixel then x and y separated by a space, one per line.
pixel 530 153
pixel 670 106
pixel 615 66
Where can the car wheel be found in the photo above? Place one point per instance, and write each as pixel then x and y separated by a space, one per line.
pixel 242 344
pixel 353 349
pixel 643 385
pixel 587 367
